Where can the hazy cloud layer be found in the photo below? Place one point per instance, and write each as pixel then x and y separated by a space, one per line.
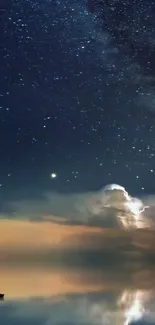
pixel 35 231
pixel 99 208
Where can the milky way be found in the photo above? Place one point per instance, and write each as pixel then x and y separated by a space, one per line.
pixel 77 95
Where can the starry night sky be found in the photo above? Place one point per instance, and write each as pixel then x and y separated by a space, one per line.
pixel 77 95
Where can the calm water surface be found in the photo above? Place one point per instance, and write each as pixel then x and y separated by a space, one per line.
pixel 47 295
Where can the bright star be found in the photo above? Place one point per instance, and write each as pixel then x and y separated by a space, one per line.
pixel 53 175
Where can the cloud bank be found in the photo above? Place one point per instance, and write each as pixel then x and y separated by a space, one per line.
pixel 104 222
pixel 111 206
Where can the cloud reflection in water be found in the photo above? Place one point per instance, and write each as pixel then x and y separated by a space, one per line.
pixel 48 296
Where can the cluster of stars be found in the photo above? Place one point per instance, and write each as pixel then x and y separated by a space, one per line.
pixel 74 99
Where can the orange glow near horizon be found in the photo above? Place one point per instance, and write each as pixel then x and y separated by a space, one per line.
pixel 43 282
pixel 47 233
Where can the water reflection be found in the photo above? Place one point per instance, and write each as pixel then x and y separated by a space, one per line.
pixel 132 303
pixel 55 274
pixel 50 295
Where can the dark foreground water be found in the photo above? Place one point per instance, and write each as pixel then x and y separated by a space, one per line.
pixel 54 274
pixel 50 295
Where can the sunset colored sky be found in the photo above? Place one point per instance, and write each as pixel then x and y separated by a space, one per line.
pixel 24 236
pixel 27 234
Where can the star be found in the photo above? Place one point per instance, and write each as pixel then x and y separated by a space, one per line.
pixel 87 103
pixel 53 175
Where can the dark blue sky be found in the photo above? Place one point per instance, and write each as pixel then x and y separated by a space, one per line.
pixel 77 95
